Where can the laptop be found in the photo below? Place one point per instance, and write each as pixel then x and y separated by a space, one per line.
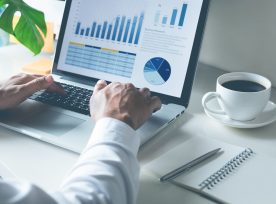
pixel 152 44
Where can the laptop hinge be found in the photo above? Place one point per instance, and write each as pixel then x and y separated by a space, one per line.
pixel 89 82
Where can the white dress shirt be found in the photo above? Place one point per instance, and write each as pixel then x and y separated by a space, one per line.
pixel 107 172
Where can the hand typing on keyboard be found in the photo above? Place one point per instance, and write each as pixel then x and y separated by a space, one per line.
pixel 123 102
pixel 114 156
pixel 19 87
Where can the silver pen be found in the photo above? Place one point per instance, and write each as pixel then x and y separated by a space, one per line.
pixel 186 167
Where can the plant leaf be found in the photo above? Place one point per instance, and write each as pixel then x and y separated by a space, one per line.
pixel 3 2
pixel 29 27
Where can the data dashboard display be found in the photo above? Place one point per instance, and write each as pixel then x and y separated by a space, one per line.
pixel 147 43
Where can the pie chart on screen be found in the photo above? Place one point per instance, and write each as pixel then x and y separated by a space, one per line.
pixel 157 71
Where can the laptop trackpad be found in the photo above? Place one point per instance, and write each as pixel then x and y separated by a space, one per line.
pixel 52 122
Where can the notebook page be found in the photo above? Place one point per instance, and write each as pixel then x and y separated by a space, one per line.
pixel 252 182
pixel 5 173
pixel 188 151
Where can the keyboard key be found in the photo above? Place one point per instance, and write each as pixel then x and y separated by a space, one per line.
pixel 76 98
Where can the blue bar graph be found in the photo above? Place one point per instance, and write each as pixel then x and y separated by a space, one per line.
pixel 93 29
pixel 121 28
pixel 78 28
pixel 182 16
pixel 116 28
pixel 87 31
pixel 127 30
pixel 164 20
pixel 109 32
pixel 98 31
pixel 141 19
pixel 173 19
pixel 133 29
pixel 104 30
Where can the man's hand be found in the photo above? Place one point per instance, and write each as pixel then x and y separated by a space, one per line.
pixel 123 102
pixel 19 87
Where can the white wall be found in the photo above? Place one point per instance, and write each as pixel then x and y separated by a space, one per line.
pixel 241 36
pixel 53 10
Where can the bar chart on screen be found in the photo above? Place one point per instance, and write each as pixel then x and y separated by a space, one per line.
pixel 103 39
pixel 121 29
pixel 174 17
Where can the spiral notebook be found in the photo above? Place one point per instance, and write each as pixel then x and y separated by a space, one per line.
pixel 235 175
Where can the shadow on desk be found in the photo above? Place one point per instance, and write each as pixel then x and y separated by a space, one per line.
pixel 263 133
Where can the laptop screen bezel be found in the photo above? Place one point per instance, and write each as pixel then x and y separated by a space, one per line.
pixel 166 99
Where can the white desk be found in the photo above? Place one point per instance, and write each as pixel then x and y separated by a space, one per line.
pixel 46 164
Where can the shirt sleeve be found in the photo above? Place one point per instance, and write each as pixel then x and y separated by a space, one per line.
pixel 107 171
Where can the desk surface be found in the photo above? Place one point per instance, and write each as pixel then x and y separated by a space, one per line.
pixel 46 165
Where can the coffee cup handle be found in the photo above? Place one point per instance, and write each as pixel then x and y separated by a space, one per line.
pixel 209 96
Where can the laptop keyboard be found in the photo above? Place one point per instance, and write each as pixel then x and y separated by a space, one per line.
pixel 76 98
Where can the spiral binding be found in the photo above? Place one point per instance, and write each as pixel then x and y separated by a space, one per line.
pixel 230 166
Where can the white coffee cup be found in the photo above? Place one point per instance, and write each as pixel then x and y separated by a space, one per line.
pixel 239 105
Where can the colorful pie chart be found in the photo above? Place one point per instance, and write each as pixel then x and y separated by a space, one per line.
pixel 157 71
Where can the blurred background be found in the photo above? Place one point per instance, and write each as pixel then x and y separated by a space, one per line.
pixel 239 36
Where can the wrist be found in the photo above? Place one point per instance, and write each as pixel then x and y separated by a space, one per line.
pixel 109 129
pixel 128 120
pixel 125 118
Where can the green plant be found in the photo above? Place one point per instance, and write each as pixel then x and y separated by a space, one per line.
pixel 29 27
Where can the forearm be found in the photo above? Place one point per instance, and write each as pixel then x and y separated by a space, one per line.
pixel 108 170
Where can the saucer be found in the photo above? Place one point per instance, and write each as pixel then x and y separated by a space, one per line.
pixel 266 117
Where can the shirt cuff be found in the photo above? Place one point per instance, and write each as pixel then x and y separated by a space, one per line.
pixel 108 130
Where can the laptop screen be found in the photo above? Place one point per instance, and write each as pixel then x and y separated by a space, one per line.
pixel 147 43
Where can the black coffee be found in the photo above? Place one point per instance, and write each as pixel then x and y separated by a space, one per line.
pixel 243 86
